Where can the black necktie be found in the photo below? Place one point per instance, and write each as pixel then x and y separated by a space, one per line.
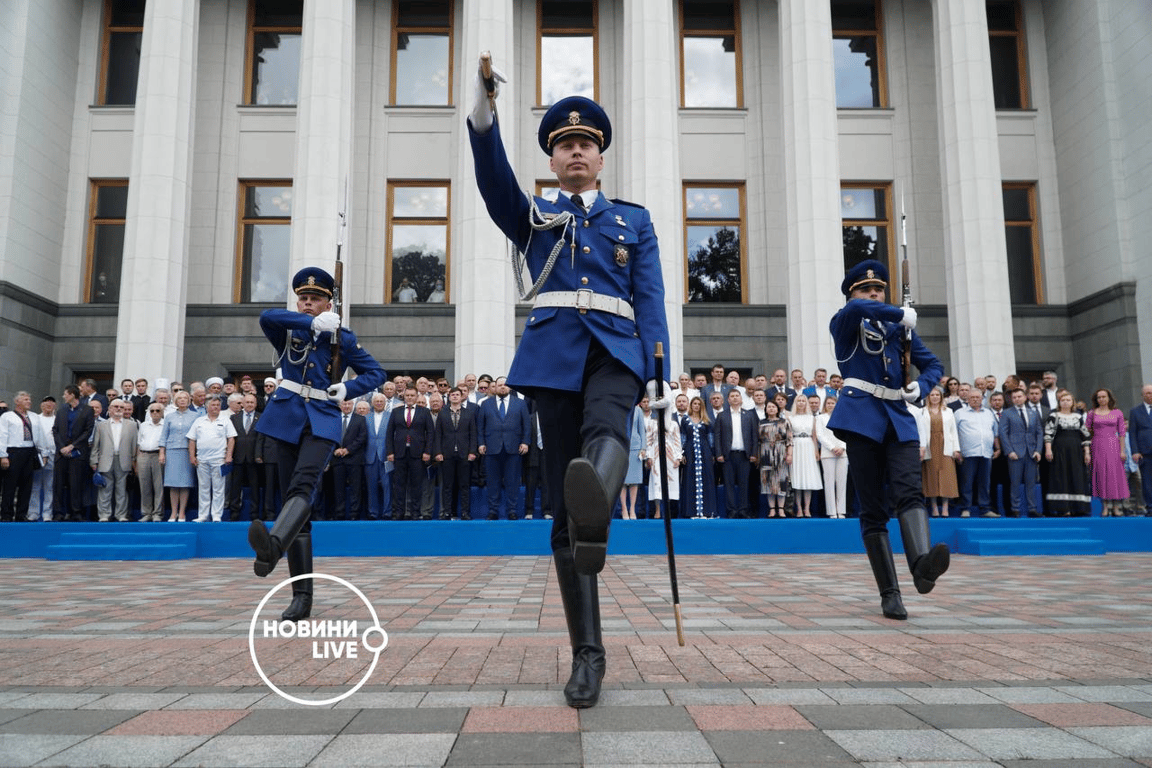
pixel 1024 417
pixel 344 428
pixel 579 203
pixel 455 419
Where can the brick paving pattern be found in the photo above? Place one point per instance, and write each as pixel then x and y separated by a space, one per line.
pixel 1043 662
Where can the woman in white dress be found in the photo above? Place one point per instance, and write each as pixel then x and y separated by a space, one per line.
pixel 834 460
pixel 674 452
pixel 805 464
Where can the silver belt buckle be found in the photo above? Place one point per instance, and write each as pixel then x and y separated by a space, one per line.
pixel 584 300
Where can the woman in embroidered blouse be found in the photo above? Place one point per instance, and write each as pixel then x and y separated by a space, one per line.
pixel 805 467
pixel 775 456
pixel 699 494
pixel 1106 423
pixel 1067 447
pixel 178 477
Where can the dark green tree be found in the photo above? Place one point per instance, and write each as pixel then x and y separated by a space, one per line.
pixel 714 268
pixel 421 268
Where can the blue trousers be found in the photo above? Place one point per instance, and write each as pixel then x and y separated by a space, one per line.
pixel 503 470
pixel 975 479
pixel 1022 477
pixel 377 481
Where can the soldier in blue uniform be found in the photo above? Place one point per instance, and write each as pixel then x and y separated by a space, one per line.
pixel 303 417
pixel 872 417
pixel 587 347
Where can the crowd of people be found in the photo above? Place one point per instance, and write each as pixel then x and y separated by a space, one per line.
pixel 737 447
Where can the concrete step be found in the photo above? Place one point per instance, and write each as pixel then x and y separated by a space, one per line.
pixel 120 552
pixel 128 544
pixel 1020 547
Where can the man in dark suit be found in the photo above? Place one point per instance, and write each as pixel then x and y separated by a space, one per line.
pixel 377 468
pixel 716 385
pixel 1140 438
pixel 245 470
pixel 456 450
pixel 1021 438
pixel 88 393
pixel 140 400
pixel 779 383
pixel 347 464
pixel 502 433
pixel 737 449
pixel 409 443
pixel 534 475
pixel 267 461
pixel 73 428
pixel 1038 407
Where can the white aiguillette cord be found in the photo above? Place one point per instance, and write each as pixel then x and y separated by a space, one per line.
pixel 539 223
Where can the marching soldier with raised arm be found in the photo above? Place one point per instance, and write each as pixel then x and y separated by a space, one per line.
pixel 303 417
pixel 872 417
pixel 588 345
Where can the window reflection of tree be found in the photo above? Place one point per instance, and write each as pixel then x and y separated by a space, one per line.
pixel 714 268
pixel 421 268
pixel 859 246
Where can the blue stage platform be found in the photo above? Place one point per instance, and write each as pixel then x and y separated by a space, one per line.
pixel 974 536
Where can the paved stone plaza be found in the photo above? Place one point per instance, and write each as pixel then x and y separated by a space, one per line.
pixel 1039 662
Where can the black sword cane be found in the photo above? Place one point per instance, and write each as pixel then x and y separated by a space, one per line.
pixel 664 469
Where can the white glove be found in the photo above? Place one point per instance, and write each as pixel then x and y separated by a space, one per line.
pixel 909 319
pixel 655 403
pixel 911 393
pixel 338 391
pixel 325 322
pixel 481 114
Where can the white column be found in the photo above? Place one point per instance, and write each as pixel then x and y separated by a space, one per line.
pixel 323 135
pixel 153 292
pixel 812 181
pixel 646 135
pixel 975 254
pixel 482 284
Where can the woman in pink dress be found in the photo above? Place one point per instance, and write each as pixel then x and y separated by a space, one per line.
pixel 1106 423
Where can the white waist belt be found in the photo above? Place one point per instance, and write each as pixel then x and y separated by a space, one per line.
pixel 584 300
pixel 305 391
pixel 884 393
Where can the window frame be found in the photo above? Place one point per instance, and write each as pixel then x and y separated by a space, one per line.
pixel 1033 224
pixel 741 188
pixel 888 224
pixel 106 32
pixel 881 56
pixel 566 32
pixel 397 30
pixel 1021 52
pixel 248 98
pixel 683 32
pixel 242 187
pixel 95 185
pixel 391 220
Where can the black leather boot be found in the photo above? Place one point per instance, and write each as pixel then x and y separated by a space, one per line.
pixel 879 551
pixel 270 546
pixel 592 484
pixel 926 563
pixel 582 611
pixel 299 557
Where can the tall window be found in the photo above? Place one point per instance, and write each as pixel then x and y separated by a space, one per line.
pixel 417 265
pixel 566 49
pixel 714 247
pixel 866 224
pixel 1006 40
pixel 858 54
pixel 422 52
pixel 1022 237
pixel 120 51
pixel 107 210
pixel 710 54
pixel 265 240
pixel 274 29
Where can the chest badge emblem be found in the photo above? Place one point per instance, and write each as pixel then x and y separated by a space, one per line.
pixel 621 256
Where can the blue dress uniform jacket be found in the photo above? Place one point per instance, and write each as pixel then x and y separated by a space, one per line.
pixel 616 254
pixel 877 361
pixel 305 361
